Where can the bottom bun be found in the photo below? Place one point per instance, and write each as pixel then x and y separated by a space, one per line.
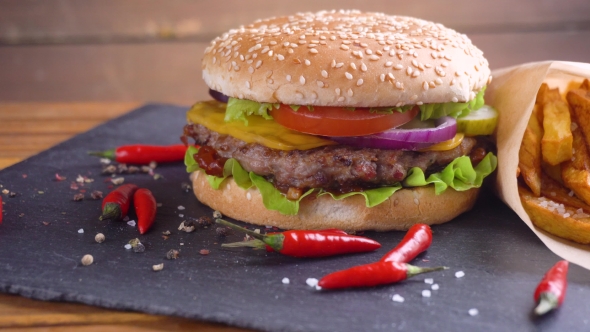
pixel 399 212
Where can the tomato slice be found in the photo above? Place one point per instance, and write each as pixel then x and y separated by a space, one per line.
pixel 338 121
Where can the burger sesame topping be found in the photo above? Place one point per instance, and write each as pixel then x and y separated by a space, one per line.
pixel 421 48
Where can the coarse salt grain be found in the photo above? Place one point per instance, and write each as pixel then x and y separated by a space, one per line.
pixel 397 298
pixel 426 293
pixel 429 281
pixel 311 282
pixel 459 274
pixel 180 207
pixel 127 246
pixel 473 312
pixel 285 281
pixel 434 287
pixel 131 223
pixel 181 215
pixel 81 231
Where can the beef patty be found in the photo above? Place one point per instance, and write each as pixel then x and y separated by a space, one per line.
pixel 330 167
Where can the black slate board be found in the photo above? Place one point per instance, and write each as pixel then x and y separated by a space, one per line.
pixel 502 259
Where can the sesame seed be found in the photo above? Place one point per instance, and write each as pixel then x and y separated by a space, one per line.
pixel 382 77
pixel 297 61
pixel 272 42
pixel 339 64
pixel 324 74
pixel 340 99
pixel 337 90
pixel 248 85
pixel 348 75
pixel 214 60
pixel 359 82
pixel 307 62
pixel 288 78
pixel 399 85
pixel 265 49
pixel 270 81
pixel 388 64
pixel 313 51
pixel 409 71
pixel 320 84
pixel 374 57
pixel 425 85
pixel 333 63
pixel 258 64
pixel 455 100
pixel 268 73
pixel 431 84
pixel 368 51
pixel 416 73
pixel 344 47
pixel 391 77
pixel 438 81
pixel 363 66
pixel 280 57
pixel 250 70
pixel 332 37
pixel 302 42
pixel 453 82
pixel 398 67
pixel 285 44
pixel 350 93
pixel 302 80
pixel 270 53
pixel 352 65
pixel 414 97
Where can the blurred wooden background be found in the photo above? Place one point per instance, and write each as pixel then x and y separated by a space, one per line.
pixel 66 66
pixel 149 50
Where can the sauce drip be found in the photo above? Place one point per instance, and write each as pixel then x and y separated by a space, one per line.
pixel 210 161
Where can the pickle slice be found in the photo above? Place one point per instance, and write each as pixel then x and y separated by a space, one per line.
pixel 479 122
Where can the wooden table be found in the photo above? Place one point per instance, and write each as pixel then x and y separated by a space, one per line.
pixel 26 129
pixel 115 55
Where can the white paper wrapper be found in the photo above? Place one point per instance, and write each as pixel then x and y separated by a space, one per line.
pixel 513 92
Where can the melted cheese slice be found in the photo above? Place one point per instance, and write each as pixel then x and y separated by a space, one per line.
pixel 271 134
pixel 259 130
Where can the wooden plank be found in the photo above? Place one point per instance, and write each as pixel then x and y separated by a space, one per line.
pixel 170 72
pixel 45 111
pixel 97 21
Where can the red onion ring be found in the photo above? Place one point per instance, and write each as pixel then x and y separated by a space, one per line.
pixel 218 96
pixel 405 139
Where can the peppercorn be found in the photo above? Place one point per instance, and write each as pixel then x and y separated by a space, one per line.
pixel 96 194
pixel 137 245
pixel 204 221
pixel 172 254
pixel 78 197
pixel 222 231
pixel 87 260
pixel 99 238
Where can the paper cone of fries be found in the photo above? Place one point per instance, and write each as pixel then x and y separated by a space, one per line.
pixel 513 92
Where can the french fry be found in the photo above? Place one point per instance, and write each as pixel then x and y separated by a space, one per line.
pixel 576 172
pixel 529 156
pixel 556 218
pixel 579 101
pixel 557 192
pixel 546 95
pixel 556 144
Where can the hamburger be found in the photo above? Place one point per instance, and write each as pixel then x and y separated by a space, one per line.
pixel 341 119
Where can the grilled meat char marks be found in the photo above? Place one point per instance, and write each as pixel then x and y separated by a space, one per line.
pixel 330 167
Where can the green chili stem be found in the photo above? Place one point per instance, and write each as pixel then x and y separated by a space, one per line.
pixel 240 229
pixel 110 154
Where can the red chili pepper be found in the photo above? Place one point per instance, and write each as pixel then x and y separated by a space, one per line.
pixel 323 231
pixel 303 243
pixel 373 274
pixel 116 204
pixel 145 208
pixel 551 290
pixel 417 239
pixel 144 154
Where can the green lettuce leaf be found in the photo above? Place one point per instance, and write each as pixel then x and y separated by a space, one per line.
pixel 456 110
pixel 373 197
pixel 459 175
pixel 273 199
pixel 238 109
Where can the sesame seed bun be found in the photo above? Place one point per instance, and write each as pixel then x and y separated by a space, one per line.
pixel 399 212
pixel 345 58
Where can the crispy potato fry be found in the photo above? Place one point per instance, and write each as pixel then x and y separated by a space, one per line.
pixel 555 218
pixel 556 144
pixel 579 101
pixel 576 172
pixel 546 95
pixel 553 171
pixel 555 191
pixel 529 155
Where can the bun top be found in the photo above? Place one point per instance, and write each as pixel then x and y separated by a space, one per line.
pixel 345 58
